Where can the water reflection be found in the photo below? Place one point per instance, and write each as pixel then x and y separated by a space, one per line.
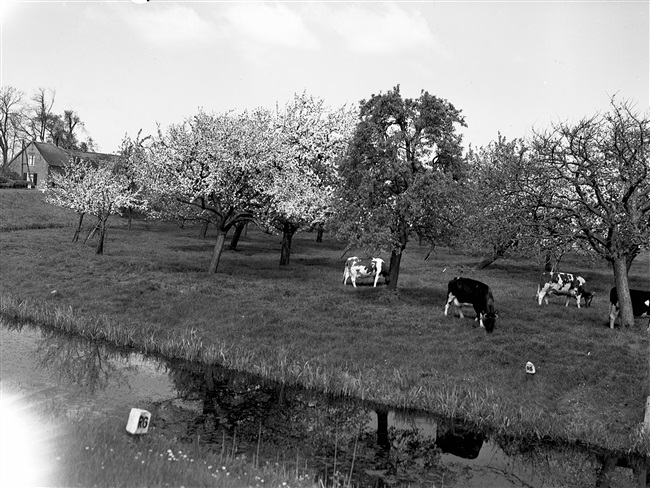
pixel 91 365
pixel 367 445
pixel 342 441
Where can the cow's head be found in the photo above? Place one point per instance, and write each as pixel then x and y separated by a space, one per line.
pixel 588 296
pixel 489 321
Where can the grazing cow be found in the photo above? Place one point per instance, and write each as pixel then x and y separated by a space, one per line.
pixel 364 268
pixel 568 284
pixel 465 291
pixel 640 305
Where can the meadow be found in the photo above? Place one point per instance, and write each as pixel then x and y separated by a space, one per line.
pixel 299 324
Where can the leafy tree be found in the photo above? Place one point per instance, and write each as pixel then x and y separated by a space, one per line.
pixel 497 212
pixel 599 172
pixel 133 154
pixel 96 189
pixel 65 131
pixel 211 168
pixel 401 175
pixel 301 178
pixel 12 117
pixel 502 215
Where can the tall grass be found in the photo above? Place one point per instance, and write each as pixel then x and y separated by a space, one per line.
pixel 300 325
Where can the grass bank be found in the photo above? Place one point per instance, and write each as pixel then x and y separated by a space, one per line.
pixel 301 325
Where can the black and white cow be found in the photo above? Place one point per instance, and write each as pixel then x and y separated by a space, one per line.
pixel 466 291
pixel 364 268
pixel 568 284
pixel 640 305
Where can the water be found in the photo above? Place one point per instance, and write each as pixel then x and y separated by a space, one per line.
pixel 225 410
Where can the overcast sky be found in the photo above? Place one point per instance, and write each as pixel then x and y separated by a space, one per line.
pixel 509 66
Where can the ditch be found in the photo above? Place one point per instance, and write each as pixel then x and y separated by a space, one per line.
pixel 343 442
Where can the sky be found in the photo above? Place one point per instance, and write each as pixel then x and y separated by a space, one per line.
pixel 510 66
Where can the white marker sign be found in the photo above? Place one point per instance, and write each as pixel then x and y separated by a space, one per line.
pixel 530 368
pixel 138 421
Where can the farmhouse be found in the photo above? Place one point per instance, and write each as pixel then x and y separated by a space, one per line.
pixel 38 160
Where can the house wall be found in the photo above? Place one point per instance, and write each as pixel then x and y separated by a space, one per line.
pixel 38 171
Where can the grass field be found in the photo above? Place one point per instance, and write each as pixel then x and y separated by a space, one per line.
pixel 300 324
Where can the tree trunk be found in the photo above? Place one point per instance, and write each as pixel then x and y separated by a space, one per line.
pixel 629 259
pixel 204 229
pixel 498 252
pixel 383 440
pixel 236 235
pixel 623 291
pixel 102 235
pixel 216 253
pixel 485 262
pixel 393 273
pixel 130 217
pixel 319 232
pixel 287 234
pixel 92 232
pixel 396 257
pixel 548 262
pixel 75 238
pixel 604 479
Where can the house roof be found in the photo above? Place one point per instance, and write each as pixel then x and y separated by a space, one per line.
pixel 58 157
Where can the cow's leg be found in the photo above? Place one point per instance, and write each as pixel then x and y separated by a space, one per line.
pixel 540 296
pixel 613 313
pixel 479 315
pixel 459 306
pixel 346 273
pixel 574 294
pixel 450 298
pixel 480 320
pixel 376 279
pixel 353 278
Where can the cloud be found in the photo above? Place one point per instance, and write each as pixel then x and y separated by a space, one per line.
pixel 9 12
pixel 270 24
pixel 173 24
pixel 386 29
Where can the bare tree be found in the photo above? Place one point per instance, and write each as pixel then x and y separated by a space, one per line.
pixel 599 173
pixel 12 116
pixel 40 113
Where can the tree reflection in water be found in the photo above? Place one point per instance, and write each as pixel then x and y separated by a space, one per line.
pixel 343 441
pixel 91 365
pixel 352 441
